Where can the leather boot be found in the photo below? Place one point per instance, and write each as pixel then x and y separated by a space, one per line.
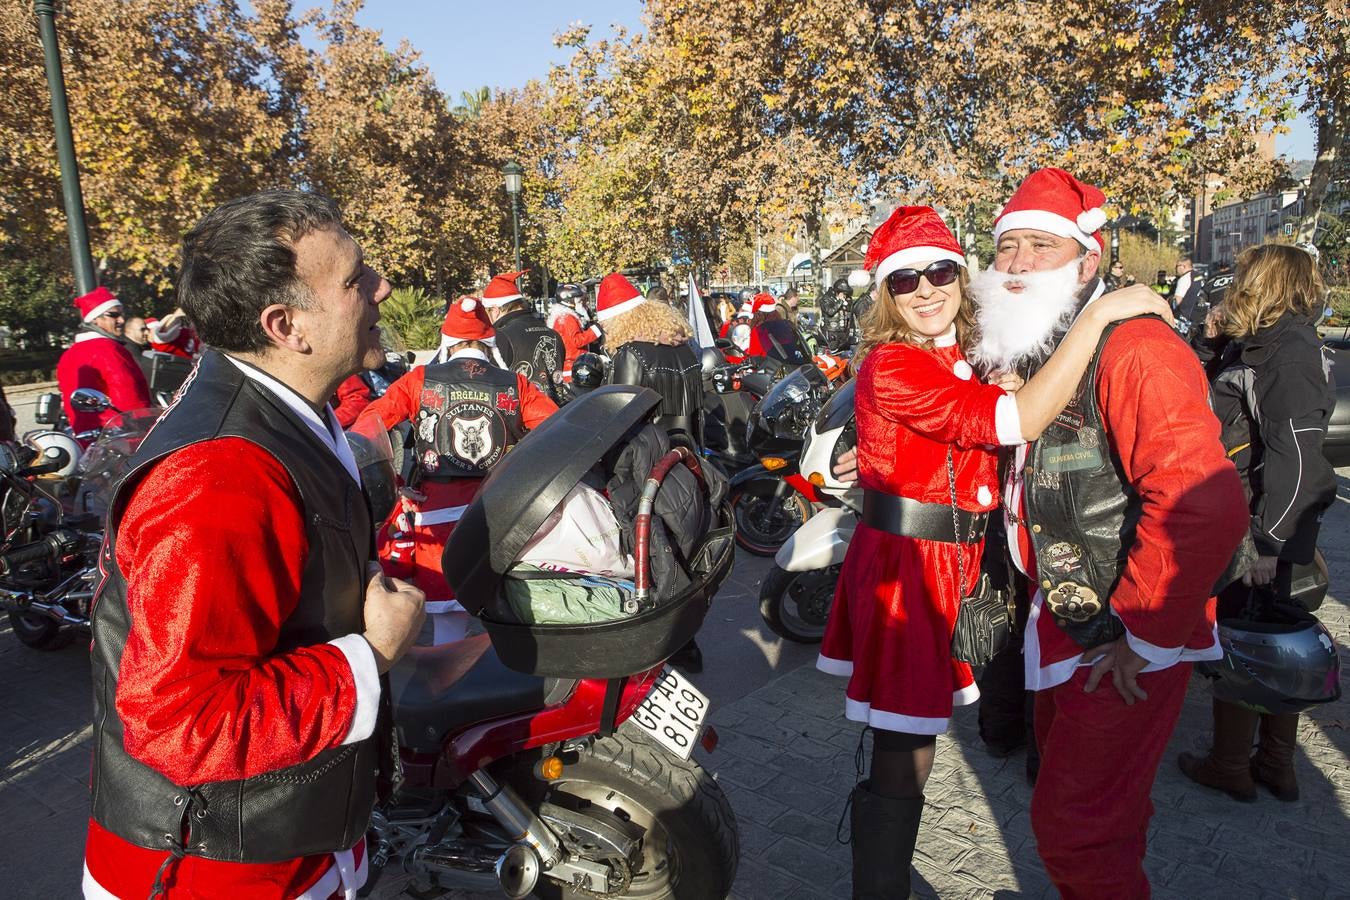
pixel 1273 764
pixel 1227 767
pixel 884 832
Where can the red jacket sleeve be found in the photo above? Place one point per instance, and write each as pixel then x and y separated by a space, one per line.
pixel 917 389
pixel 535 406
pixel 574 337
pixel 401 402
pixel 353 395
pixel 212 545
pixel 1155 401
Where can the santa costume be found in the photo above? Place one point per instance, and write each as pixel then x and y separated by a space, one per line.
pixel 1099 755
pixel 411 542
pixel 98 360
pixel 895 605
pixel 576 335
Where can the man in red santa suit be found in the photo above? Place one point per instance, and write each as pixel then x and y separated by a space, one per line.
pixel 568 317
pixel 467 413
pixel 1123 514
pixel 172 334
pixel 98 359
pixel 241 631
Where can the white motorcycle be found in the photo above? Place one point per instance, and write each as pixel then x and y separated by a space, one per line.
pixel 796 597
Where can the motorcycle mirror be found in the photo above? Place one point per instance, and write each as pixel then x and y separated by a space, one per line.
pixel 374 455
pixel 88 400
pixel 710 359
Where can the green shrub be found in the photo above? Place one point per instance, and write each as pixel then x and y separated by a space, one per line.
pixel 411 319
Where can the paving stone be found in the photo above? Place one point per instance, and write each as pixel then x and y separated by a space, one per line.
pixel 759 881
pixel 740 771
pixel 805 862
pixel 755 838
pixel 757 807
pixel 796 792
pixel 810 829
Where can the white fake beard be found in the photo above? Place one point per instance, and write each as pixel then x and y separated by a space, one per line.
pixel 1018 327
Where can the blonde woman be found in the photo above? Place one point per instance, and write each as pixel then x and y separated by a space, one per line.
pixel 1274 398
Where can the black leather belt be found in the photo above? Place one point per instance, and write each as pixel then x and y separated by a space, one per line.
pixel 928 521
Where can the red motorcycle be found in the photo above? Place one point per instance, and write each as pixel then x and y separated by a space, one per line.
pixel 553 758
pixel 543 785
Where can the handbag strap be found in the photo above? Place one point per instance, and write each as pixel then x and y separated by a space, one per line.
pixel 956 529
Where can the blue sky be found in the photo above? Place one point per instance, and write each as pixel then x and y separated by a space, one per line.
pixel 468 44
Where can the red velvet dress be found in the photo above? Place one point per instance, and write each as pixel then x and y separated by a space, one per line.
pixel 895 605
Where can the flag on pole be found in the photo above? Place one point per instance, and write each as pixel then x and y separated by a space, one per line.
pixel 698 317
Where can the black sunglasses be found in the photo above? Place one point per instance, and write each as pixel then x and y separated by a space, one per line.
pixel 906 281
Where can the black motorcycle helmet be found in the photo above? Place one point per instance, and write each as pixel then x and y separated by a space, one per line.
pixel 1283 661
pixel 570 294
pixel 588 372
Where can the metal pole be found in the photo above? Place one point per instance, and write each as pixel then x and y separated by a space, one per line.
pixel 81 261
pixel 515 226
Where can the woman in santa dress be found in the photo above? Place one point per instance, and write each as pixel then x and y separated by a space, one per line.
pixel 926 430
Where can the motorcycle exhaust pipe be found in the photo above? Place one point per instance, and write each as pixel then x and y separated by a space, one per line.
pixel 523 826
pixel 515 872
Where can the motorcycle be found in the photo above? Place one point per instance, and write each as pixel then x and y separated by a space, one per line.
pixel 554 759
pixel 771 499
pixel 731 391
pixel 49 552
pixel 797 594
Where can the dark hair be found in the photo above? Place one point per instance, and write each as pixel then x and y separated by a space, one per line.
pixel 240 259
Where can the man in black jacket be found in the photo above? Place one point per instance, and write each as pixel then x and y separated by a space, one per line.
pixel 525 341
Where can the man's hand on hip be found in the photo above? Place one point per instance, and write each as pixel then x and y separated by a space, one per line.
pixel 394 612
pixel 1124 665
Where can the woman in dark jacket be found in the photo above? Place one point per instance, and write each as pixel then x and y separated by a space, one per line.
pixel 1274 396
pixel 649 343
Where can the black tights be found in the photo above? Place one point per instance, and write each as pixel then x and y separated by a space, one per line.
pixel 901 763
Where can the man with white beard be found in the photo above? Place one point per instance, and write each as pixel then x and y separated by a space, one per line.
pixel 1123 514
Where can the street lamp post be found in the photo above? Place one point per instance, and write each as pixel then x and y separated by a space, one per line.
pixel 1115 244
pixel 81 260
pixel 512 172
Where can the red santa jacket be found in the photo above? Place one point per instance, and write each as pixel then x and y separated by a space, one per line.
pixel 1154 402
pixel 177 338
pixel 353 396
pixel 575 338
pixel 101 363
pixel 912 405
pixel 199 666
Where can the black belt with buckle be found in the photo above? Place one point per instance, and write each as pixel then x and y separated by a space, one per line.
pixel 927 521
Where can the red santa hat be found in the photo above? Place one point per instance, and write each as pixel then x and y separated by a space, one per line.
pixel 466 320
pixel 912 235
pixel 503 289
pixel 100 301
pixel 616 296
pixel 1054 201
pixel 763 303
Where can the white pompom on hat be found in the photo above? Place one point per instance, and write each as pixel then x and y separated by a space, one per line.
pixel 1054 201
pixel 466 320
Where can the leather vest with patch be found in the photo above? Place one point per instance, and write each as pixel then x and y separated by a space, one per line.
pixel 319 806
pixel 528 346
pixel 469 416
pixel 1082 513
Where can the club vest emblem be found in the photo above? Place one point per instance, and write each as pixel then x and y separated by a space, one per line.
pixel 473 441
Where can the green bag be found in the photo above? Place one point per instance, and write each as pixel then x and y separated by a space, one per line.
pixel 542 597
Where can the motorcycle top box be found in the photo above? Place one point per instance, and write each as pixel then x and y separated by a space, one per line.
pixel 591 440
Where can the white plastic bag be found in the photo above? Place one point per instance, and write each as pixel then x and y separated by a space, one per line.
pixel 581 535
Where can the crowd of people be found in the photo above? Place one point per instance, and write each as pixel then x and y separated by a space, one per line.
pixel 1040 402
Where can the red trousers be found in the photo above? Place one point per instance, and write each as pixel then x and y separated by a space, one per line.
pixel 1092 803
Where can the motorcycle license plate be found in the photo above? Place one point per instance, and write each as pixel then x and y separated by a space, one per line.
pixel 673 713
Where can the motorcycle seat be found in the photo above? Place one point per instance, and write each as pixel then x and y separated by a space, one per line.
pixel 439 690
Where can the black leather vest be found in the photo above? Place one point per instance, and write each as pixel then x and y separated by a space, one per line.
pixel 469 417
pixel 1083 514
pixel 675 373
pixel 530 347
pixel 319 806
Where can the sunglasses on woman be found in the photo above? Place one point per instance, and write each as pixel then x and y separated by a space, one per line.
pixel 906 281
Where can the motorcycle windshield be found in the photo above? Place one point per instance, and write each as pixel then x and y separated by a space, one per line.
pixel 789 407
pixel 837 411
pixel 102 466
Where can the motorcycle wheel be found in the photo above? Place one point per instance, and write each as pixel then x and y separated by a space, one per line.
pixel 692 843
pixel 38 632
pixel 796 605
pixel 763 524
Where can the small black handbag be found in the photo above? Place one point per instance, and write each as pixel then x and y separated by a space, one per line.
pixel 985 618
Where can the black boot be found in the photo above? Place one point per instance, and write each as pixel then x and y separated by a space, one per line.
pixel 884 832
